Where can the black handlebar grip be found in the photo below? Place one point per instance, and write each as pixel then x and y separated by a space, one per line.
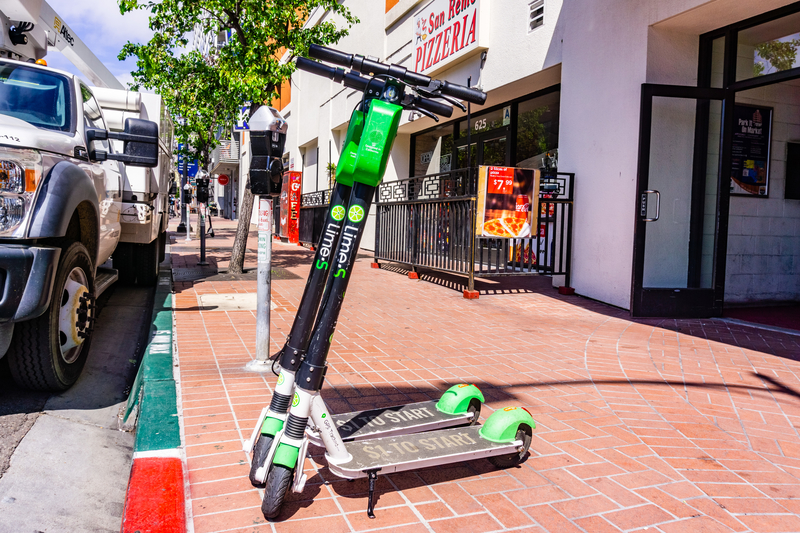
pixel 465 93
pixel 354 81
pixel 333 73
pixel 330 55
pixel 434 107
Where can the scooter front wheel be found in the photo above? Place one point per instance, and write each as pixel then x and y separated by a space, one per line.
pixel 260 452
pixel 279 480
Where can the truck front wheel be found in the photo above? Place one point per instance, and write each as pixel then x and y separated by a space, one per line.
pixel 49 352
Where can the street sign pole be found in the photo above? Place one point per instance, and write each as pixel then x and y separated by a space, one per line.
pixel 184 181
pixel 262 362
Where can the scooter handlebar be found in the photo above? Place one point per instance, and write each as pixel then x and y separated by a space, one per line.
pixel 332 73
pixel 368 66
pixel 434 107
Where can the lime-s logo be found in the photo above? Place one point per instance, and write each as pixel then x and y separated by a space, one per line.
pixel 341 273
pixel 322 265
pixel 280 379
pixel 337 213
pixel 356 214
pixel 295 400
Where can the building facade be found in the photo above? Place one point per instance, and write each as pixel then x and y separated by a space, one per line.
pixel 654 105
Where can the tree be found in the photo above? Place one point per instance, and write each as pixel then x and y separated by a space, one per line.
pixel 204 92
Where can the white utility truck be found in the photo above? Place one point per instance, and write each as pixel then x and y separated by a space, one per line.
pixel 84 177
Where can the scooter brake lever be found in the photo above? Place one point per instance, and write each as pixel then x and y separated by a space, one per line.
pixel 424 112
pixel 449 99
pixel 409 102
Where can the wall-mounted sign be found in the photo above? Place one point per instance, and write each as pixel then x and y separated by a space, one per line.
pixel 241 119
pixel 750 150
pixel 223 179
pixel 445 30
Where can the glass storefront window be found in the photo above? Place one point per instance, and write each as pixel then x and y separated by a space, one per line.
pixel 484 122
pixel 768 48
pixel 433 151
pixel 537 130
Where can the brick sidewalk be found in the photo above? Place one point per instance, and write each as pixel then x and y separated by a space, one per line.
pixel 671 425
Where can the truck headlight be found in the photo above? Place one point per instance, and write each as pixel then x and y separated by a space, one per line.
pixel 20 172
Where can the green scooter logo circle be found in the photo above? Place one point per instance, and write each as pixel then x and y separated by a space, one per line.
pixel 356 214
pixel 280 379
pixel 295 400
pixel 337 213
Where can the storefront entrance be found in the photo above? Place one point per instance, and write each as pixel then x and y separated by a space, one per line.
pixel 716 207
pixel 490 148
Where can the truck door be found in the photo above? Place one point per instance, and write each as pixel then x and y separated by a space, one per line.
pixel 108 181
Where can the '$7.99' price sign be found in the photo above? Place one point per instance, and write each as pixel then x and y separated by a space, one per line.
pixel 500 180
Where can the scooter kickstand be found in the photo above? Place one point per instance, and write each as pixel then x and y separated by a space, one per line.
pixel 372 475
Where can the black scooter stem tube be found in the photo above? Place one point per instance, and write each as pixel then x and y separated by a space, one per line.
pixel 310 375
pixel 303 324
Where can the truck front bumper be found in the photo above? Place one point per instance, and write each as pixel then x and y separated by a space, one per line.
pixel 27 274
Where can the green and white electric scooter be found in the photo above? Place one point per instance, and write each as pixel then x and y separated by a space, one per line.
pixel 506 436
pixel 403 419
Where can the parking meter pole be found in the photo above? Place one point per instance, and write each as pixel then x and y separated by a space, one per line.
pixel 201 214
pixel 184 181
pixel 187 191
pixel 263 284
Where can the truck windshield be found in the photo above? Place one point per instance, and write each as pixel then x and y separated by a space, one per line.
pixel 35 96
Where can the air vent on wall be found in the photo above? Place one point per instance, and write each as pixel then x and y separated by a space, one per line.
pixel 536 15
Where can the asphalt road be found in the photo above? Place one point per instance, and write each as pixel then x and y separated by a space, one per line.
pixel 64 463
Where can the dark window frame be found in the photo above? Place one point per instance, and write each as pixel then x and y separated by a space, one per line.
pixel 512 127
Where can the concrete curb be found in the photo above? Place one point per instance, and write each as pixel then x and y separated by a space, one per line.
pixel 155 501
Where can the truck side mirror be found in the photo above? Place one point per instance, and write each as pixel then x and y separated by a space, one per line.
pixel 140 148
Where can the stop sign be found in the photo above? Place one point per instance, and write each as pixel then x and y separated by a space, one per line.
pixel 222 179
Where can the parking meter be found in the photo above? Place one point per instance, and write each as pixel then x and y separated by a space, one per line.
pixel 203 182
pixel 187 194
pixel 267 139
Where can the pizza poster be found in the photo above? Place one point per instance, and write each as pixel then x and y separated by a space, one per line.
pixel 508 201
pixel 750 150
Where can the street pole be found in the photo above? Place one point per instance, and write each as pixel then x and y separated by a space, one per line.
pixel 262 362
pixel 184 181
pixel 201 214
pixel 187 192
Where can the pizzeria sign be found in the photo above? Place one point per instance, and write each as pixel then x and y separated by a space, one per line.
pixel 444 31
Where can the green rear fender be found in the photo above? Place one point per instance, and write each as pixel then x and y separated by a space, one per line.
pixel 457 398
pixel 502 425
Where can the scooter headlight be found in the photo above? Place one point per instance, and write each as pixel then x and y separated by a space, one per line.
pixel 20 172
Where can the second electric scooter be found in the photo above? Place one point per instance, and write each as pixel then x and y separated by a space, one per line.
pixel 505 437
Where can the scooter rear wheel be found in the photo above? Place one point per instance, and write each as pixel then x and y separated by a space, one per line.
pixel 278 482
pixel 260 452
pixel 525 434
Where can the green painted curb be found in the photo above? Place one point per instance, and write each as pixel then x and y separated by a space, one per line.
pixel 158 425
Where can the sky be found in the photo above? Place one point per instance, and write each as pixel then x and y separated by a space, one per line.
pixel 100 26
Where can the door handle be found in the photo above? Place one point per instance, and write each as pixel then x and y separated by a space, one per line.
pixel 643 206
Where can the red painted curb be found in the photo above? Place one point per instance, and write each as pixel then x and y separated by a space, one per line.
pixel 155 500
pixel 567 291
pixel 413 275
pixel 375 265
pixel 471 295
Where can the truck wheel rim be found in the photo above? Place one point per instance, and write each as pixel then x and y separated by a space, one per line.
pixel 75 316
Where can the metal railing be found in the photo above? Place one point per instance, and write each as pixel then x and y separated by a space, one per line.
pixel 429 222
pixel 313 208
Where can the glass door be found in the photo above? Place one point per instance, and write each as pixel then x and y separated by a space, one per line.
pixel 489 148
pixel 678 193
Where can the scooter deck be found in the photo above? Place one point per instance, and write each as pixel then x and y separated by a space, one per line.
pixel 420 450
pixel 396 420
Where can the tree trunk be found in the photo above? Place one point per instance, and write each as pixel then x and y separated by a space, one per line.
pixel 236 265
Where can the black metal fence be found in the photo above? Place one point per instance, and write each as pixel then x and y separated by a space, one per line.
pixel 313 208
pixel 429 222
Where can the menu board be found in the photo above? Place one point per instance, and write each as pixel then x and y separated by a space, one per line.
pixel 750 150
pixel 508 201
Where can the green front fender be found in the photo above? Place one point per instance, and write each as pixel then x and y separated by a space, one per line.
pixel 271 426
pixel 457 398
pixel 286 455
pixel 502 425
